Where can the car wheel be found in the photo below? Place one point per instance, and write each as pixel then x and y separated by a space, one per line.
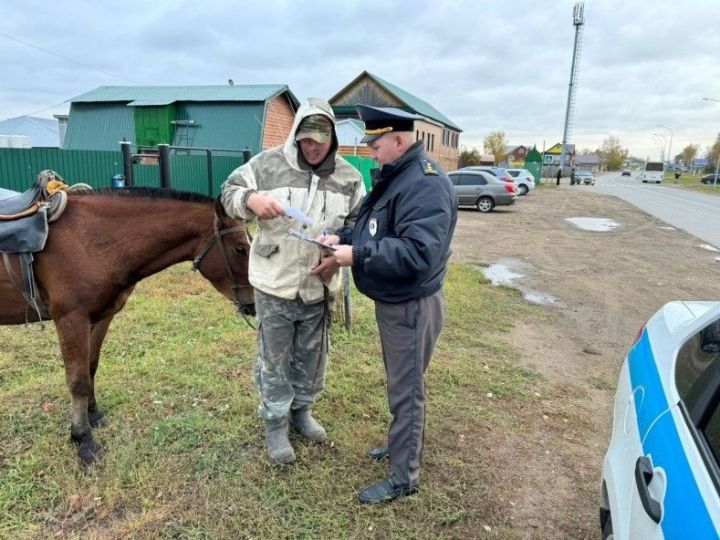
pixel 485 204
pixel 522 189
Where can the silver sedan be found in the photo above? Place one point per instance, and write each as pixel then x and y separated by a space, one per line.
pixel 482 190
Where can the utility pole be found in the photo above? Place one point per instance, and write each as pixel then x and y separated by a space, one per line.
pixel 578 22
pixel 669 148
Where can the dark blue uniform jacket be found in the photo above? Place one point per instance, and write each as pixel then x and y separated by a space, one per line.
pixel 401 240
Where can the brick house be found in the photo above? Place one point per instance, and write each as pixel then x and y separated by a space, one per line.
pixel 440 135
pixel 515 156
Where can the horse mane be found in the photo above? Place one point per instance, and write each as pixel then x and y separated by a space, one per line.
pixel 145 192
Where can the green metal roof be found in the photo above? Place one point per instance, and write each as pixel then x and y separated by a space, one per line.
pixel 150 102
pixel 163 95
pixel 414 103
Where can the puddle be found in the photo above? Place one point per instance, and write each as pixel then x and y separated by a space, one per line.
pixel 536 297
pixel 593 224
pixel 708 247
pixel 502 274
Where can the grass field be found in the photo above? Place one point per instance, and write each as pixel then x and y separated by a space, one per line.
pixel 184 446
pixel 691 181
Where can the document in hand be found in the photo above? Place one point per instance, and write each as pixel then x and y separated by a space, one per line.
pixel 310 239
pixel 297 215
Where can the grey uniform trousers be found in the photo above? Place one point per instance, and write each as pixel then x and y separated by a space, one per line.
pixel 292 353
pixel 408 333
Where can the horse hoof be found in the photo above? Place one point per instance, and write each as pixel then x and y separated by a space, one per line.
pixel 97 418
pixel 89 451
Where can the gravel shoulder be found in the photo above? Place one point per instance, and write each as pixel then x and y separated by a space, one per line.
pixel 601 286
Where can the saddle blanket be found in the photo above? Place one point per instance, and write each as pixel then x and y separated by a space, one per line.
pixel 7 193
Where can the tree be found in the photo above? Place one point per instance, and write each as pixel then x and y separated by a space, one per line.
pixel 689 154
pixel 469 157
pixel 495 143
pixel 612 153
pixel 714 153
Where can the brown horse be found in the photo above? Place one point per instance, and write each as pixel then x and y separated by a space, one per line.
pixel 103 244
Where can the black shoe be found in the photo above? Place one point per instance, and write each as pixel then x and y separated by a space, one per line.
pixel 379 453
pixel 384 491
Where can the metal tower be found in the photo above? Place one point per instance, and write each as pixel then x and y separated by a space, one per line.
pixel 578 22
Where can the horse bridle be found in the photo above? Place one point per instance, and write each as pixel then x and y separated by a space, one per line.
pixel 216 238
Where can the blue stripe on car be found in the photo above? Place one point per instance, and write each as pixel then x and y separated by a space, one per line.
pixel 684 511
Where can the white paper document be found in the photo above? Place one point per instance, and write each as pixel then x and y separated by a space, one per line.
pixel 297 215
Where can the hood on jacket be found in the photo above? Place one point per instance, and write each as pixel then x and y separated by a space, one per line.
pixel 291 149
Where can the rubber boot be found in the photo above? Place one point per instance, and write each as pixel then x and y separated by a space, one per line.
pixel 276 441
pixel 301 420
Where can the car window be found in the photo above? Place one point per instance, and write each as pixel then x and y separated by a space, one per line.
pixel 454 178
pixel 712 434
pixel 472 180
pixel 697 378
pixel 514 174
pixel 694 358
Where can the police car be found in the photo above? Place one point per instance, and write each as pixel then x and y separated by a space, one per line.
pixel 661 474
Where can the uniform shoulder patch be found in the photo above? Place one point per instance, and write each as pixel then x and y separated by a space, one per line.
pixel 429 168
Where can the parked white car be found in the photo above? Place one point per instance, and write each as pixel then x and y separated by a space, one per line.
pixel 524 179
pixel 661 472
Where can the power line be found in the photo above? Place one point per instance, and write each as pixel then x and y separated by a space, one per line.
pixel 46 109
pixel 88 66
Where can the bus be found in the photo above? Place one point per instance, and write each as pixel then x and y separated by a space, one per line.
pixel 653 171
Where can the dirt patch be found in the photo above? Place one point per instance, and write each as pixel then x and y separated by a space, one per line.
pixel 602 286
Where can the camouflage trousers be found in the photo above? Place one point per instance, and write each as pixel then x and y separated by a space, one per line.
pixel 292 353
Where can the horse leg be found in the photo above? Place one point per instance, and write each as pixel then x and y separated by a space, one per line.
pixel 97 336
pixel 74 335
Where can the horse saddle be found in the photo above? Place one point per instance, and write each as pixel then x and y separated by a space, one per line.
pixel 24 218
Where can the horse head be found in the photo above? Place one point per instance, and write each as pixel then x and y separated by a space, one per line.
pixel 225 260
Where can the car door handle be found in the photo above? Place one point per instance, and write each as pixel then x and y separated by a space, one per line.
pixel 643 476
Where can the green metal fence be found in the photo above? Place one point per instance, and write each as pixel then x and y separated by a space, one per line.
pixel 19 168
pixel 364 165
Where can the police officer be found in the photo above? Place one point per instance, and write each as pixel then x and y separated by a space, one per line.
pixel 398 251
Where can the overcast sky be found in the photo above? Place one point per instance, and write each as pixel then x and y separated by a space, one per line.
pixel 490 65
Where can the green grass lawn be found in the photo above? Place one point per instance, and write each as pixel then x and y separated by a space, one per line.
pixel 691 181
pixel 184 447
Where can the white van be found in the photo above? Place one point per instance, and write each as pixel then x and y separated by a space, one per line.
pixel 653 171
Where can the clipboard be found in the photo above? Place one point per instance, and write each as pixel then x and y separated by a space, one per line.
pixel 301 236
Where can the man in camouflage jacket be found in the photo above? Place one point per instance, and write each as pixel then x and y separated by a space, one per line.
pixel 305 174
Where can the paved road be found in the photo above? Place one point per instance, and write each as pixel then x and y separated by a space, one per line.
pixel 695 213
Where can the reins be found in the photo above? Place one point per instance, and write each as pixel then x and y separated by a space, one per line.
pixel 217 238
